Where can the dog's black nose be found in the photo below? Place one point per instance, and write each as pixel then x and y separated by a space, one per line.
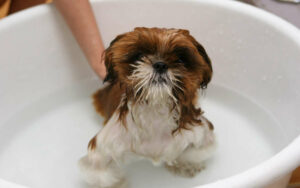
pixel 160 67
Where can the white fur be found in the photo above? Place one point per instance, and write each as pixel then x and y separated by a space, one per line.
pixel 153 92
pixel 148 134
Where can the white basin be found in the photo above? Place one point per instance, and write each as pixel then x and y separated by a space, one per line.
pixel 46 116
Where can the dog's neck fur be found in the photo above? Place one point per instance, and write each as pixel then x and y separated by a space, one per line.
pixel 146 129
pixel 151 127
pixel 160 110
pixel 155 116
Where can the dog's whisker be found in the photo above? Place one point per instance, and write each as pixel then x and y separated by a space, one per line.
pixel 170 93
pixel 177 86
pixel 142 87
pixel 173 81
pixel 176 80
pixel 147 95
pixel 141 83
pixel 142 95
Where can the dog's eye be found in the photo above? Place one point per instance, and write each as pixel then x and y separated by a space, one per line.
pixel 181 53
pixel 139 57
pixel 133 57
pixel 180 60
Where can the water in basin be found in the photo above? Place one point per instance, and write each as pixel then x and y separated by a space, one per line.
pixel 40 146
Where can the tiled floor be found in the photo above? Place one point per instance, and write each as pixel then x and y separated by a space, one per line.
pixel 290 12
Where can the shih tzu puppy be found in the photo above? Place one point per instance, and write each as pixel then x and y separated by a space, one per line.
pixel 150 106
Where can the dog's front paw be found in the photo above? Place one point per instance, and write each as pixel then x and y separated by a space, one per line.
pixel 121 184
pixel 185 169
pixel 101 176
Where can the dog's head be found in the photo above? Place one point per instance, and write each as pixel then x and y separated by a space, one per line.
pixel 158 62
pixel 154 64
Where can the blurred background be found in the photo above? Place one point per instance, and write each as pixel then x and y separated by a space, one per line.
pixel 287 10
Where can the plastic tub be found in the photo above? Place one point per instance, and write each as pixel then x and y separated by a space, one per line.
pixel 46 116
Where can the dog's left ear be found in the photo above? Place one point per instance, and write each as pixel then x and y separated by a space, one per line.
pixel 207 74
pixel 208 71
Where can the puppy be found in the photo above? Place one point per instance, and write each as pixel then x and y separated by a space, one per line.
pixel 150 106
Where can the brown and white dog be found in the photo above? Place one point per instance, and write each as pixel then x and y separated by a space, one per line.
pixel 150 106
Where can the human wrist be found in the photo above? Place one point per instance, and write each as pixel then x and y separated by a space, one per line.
pixel 98 66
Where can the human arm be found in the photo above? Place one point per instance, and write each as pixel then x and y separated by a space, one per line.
pixel 79 16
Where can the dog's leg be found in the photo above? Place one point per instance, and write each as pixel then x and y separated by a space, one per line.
pixel 100 170
pixel 192 160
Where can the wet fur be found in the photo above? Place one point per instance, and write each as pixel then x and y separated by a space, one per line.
pixel 161 122
pixel 107 100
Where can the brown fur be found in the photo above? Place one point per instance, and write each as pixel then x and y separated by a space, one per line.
pixel 210 125
pixel 169 44
pixel 107 99
pixel 93 143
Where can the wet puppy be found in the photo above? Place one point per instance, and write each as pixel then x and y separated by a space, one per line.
pixel 150 106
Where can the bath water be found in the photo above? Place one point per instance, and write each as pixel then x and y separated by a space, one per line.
pixel 40 145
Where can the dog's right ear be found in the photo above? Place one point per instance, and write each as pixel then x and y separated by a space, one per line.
pixel 110 74
pixel 109 64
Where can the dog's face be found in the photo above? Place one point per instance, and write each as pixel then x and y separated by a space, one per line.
pixel 154 64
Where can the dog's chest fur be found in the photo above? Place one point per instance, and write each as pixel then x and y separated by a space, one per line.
pixel 150 131
pixel 152 128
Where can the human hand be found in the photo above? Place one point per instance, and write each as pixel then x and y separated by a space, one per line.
pixel 99 67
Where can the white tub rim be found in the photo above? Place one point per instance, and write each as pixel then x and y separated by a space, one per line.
pixel 279 165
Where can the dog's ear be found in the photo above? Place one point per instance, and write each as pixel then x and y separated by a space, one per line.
pixel 111 76
pixel 207 72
